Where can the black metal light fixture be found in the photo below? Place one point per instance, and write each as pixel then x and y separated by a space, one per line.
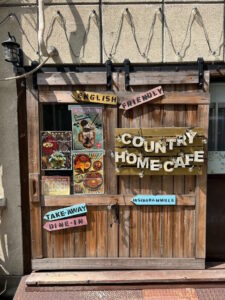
pixel 13 53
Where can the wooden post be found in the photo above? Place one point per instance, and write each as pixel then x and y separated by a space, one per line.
pixel 34 169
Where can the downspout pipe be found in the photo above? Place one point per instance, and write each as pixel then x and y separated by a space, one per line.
pixel 44 51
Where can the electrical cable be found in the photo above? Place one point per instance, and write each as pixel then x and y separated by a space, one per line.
pixel 28 73
pixel 195 16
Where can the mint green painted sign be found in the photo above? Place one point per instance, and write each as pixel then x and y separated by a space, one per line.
pixel 66 212
pixel 154 200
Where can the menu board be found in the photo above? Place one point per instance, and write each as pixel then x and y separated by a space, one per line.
pixel 56 149
pixel 88 176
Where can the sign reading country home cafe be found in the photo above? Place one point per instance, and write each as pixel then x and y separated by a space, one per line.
pixel 159 151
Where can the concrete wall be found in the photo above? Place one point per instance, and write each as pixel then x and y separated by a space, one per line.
pixel 180 37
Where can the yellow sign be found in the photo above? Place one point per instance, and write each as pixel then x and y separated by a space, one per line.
pixel 91 97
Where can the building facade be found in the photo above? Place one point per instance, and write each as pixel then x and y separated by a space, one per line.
pixel 91 32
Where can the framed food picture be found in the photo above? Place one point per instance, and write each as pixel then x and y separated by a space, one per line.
pixel 87 127
pixel 55 185
pixel 88 175
pixel 56 149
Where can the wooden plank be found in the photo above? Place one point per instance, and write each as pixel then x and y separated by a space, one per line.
pixel 58 244
pixel 167 131
pixel 190 186
pixel 124 188
pixel 101 235
pixel 175 98
pixel 34 167
pixel 109 200
pixel 156 186
pixel 167 188
pixel 196 170
pixel 111 180
pixel 146 212
pixel 135 217
pixel 178 229
pixel 91 232
pixel 68 242
pixel 72 78
pixel 151 78
pixel 203 113
pixel 125 277
pixel 80 242
pixel 118 263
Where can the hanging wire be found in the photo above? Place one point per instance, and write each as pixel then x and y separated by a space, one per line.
pixel 62 22
pixel 195 16
pixel 14 16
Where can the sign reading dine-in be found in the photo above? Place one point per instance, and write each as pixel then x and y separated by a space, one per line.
pixel 159 151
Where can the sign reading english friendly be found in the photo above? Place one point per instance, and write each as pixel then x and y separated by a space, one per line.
pixel 159 151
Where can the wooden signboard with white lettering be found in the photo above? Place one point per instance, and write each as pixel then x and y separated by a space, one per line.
pixel 159 151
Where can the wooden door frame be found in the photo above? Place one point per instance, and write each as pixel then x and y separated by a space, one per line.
pixel 33 103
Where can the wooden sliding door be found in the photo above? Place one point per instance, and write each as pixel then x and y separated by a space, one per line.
pixel 120 235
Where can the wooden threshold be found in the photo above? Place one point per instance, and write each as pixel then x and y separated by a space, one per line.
pixel 98 263
pixel 125 277
pixel 106 200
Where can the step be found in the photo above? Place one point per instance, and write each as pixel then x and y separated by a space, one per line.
pixel 125 277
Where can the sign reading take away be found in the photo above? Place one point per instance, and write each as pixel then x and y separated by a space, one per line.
pixel 154 200
pixel 66 212
pixel 66 223
pixel 142 98
pixel 90 97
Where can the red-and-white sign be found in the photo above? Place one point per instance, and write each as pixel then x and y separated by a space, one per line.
pixel 66 223
pixel 142 98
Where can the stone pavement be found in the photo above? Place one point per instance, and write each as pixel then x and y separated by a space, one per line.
pixel 71 293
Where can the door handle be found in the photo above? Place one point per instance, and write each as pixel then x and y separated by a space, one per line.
pixel 34 187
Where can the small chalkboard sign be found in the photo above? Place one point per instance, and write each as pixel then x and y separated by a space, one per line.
pixel 154 200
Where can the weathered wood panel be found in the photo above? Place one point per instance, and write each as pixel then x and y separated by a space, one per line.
pixel 34 169
pixel 158 78
pixel 72 78
pixel 118 263
pixel 110 200
pixel 124 188
pixel 119 234
pixel 194 98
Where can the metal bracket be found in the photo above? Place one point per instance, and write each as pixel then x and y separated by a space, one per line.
pixel 200 72
pixel 109 74
pixel 127 73
pixel 34 64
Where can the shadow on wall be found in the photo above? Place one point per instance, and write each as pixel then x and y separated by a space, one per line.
pixel 20 22
pixel 4 257
pixel 75 44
